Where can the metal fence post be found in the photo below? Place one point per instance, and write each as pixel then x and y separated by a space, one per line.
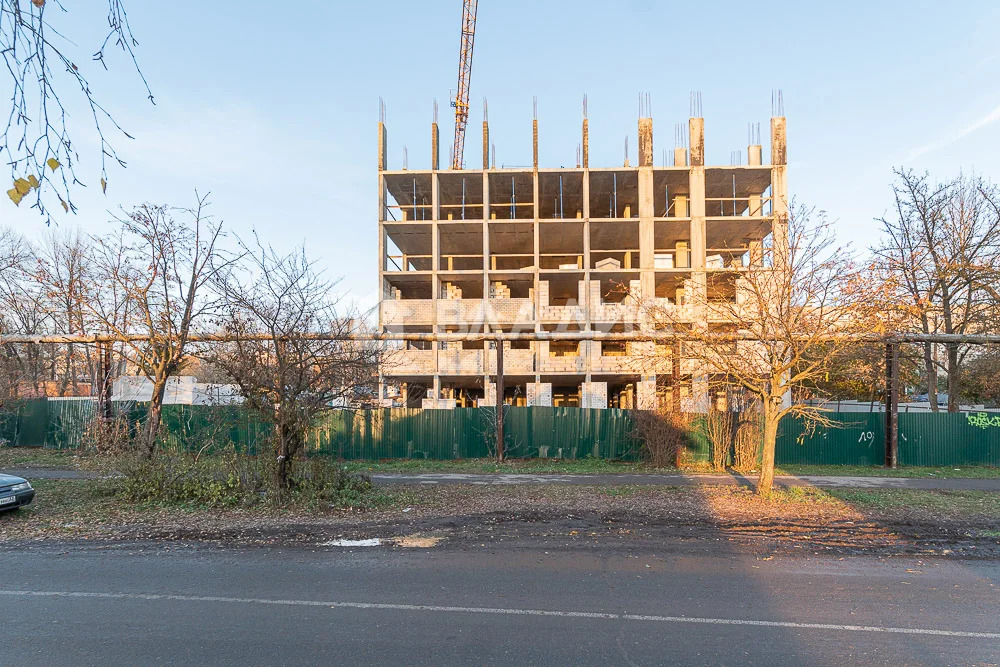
pixel 104 377
pixel 500 392
pixel 891 404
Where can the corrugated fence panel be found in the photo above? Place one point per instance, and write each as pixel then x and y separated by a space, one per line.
pixel 554 432
pixel 858 439
pixel 955 439
pixel 25 422
pixel 68 422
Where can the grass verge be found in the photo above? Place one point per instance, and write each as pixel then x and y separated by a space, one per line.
pixel 940 472
pixel 35 457
pixel 961 504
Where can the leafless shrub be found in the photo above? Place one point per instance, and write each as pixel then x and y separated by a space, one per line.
pixel 720 428
pixel 110 438
pixel 663 436
pixel 747 439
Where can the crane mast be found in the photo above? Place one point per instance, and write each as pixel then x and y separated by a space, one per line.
pixel 461 101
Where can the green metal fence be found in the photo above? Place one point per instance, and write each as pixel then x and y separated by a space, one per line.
pixel 858 439
pixel 350 434
pixel 471 432
pixel 925 439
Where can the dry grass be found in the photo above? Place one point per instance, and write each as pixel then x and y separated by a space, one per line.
pixel 883 520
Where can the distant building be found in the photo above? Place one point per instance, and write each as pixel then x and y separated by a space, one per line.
pixel 180 390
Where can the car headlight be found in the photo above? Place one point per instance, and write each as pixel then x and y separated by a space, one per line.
pixel 23 486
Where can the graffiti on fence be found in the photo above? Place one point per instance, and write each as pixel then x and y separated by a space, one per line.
pixel 982 420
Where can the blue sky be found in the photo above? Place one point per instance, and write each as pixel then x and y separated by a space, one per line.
pixel 274 111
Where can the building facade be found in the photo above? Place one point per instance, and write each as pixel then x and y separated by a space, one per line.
pixel 567 249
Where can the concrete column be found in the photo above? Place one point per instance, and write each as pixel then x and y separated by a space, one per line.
pixel 680 157
pixel 536 246
pixel 381 214
pixel 435 258
pixel 779 189
pixel 586 146
pixel 486 240
pixel 587 263
pixel 647 233
pixel 754 155
pixel 696 185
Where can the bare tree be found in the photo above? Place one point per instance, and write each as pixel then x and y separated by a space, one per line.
pixel 38 140
pixel 776 327
pixel 150 277
pixel 64 269
pixel 272 304
pixel 23 310
pixel 942 248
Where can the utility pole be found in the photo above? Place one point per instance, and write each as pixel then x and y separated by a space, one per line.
pixel 500 392
pixel 891 404
pixel 103 379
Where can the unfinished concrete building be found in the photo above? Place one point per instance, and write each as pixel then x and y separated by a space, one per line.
pixel 567 249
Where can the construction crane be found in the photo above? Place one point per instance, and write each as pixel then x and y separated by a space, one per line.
pixel 461 101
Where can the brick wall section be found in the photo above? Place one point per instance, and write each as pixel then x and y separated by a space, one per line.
pixel 407 311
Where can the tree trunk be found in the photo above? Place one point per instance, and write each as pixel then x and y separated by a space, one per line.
pixel 153 418
pixel 931 372
pixel 953 370
pixel 766 479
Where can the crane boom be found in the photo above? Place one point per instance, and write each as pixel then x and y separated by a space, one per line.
pixel 461 101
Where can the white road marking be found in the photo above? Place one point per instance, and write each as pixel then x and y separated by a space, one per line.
pixel 502 611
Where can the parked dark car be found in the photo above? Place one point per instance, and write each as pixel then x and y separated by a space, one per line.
pixel 14 492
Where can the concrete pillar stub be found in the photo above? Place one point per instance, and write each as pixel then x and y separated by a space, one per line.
pixel 779 152
pixel 586 145
pixel 645 142
pixel 486 145
pixel 754 155
pixel 696 129
pixel 381 146
pixel 534 143
pixel 435 148
pixel 680 157
pixel 779 190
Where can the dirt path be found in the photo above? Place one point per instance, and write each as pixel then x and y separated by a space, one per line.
pixel 641 479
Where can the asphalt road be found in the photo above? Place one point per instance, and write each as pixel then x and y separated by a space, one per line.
pixel 506 604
